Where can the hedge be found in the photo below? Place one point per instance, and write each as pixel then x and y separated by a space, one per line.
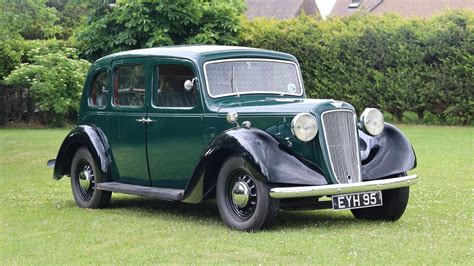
pixel 398 65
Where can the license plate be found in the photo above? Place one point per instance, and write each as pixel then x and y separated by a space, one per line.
pixel 357 200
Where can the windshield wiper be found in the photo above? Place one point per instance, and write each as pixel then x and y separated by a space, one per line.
pixel 233 84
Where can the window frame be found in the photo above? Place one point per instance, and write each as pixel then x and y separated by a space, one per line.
pixel 125 64
pixel 154 85
pixel 300 81
pixel 89 88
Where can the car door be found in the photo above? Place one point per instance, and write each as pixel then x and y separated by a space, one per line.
pixel 126 121
pixel 174 137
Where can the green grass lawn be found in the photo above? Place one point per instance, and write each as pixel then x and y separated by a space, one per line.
pixel 40 223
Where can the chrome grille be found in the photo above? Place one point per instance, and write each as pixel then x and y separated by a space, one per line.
pixel 339 128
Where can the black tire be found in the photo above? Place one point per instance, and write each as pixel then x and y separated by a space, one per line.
pixel 394 204
pixel 259 211
pixel 85 173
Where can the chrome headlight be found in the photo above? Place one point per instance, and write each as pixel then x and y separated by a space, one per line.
pixel 304 127
pixel 373 121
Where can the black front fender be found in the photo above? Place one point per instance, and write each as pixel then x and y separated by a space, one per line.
pixel 387 154
pixel 273 162
pixel 82 136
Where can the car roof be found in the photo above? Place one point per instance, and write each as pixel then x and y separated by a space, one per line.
pixel 198 53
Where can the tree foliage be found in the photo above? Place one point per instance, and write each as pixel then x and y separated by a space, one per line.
pixel 72 14
pixel 139 24
pixel 27 19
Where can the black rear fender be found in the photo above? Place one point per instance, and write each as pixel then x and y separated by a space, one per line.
pixel 82 136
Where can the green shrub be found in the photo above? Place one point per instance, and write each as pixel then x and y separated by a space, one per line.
pixel 54 79
pixel 13 52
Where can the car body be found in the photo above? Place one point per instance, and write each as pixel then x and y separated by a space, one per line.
pixel 165 123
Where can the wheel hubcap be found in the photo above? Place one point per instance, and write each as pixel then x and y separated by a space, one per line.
pixel 86 180
pixel 241 194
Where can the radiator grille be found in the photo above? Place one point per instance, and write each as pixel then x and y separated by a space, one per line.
pixel 342 144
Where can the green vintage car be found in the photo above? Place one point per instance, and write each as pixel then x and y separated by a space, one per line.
pixel 188 123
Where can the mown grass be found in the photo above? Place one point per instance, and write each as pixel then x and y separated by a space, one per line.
pixel 40 223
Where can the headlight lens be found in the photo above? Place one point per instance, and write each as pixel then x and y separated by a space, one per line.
pixel 304 127
pixel 373 121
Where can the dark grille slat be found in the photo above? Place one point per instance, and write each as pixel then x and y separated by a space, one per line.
pixel 340 133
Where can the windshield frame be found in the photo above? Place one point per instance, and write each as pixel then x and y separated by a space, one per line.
pixel 243 59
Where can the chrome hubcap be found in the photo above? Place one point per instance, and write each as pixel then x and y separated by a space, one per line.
pixel 86 180
pixel 241 194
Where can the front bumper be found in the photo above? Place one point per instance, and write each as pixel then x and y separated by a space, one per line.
pixel 338 189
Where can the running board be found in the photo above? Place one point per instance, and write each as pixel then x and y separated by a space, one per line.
pixel 150 192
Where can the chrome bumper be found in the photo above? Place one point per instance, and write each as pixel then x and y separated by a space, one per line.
pixel 337 189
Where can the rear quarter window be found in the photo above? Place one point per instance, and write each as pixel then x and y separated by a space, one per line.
pixel 98 90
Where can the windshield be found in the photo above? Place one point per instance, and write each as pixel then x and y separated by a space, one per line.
pixel 245 76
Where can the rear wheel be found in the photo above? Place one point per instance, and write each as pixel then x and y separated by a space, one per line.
pixel 394 204
pixel 85 174
pixel 244 202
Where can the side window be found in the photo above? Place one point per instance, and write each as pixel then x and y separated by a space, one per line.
pixel 97 94
pixel 129 85
pixel 169 91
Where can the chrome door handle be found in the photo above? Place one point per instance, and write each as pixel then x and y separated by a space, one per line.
pixel 144 120
pixel 141 120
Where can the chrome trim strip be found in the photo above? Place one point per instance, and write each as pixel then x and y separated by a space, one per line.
pixel 338 189
pixel 252 92
pixel 356 142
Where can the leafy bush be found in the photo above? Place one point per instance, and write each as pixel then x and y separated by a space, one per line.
pixel 13 52
pixel 54 79
pixel 398 65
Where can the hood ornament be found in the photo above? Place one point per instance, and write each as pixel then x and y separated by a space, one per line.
pixel 337 104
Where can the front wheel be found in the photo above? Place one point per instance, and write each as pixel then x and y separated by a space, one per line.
pixel 85 174
pixel 394 204
pixel 244 202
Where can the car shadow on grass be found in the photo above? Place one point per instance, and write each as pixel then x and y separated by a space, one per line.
pixel 314 218
pixel 204 210
pixel 207 211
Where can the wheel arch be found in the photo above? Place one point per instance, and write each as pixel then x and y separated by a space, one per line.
pixel 213 168
pixel 87 136
pixel 271 162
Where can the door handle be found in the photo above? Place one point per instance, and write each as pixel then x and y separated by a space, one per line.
pixel 148 120
pixel 141 120
pixel 144 120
